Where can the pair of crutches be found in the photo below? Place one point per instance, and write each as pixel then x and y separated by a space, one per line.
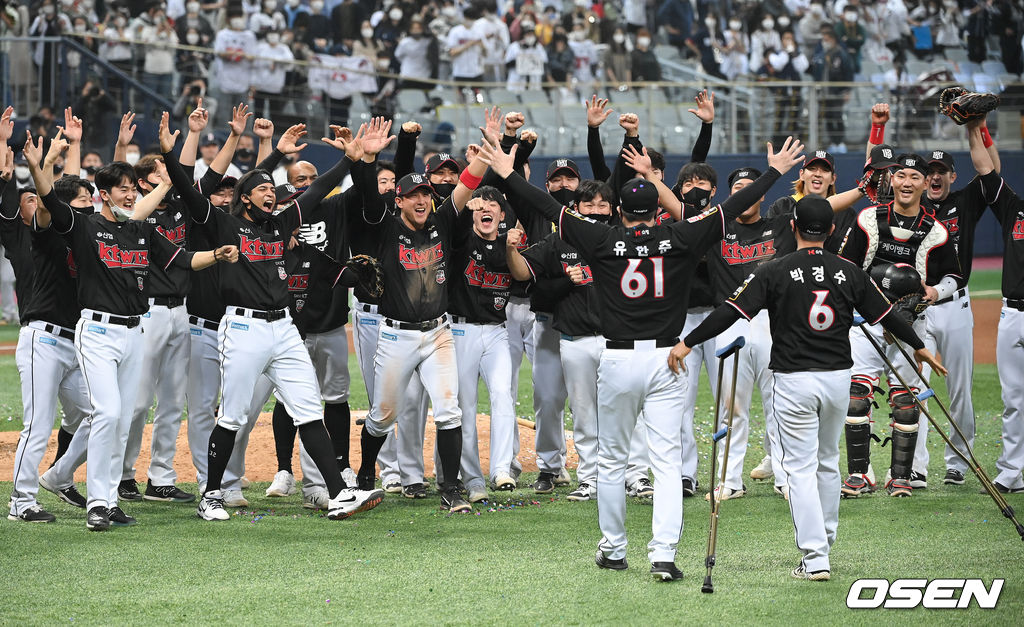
pixel 722 354
pixel 966 455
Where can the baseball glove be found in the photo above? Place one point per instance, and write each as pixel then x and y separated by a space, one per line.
pixel 910 307
pixel 963 106
pixel 371 277
pixel 868 184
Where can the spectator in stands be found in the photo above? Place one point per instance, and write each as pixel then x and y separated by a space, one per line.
pixel 83 35
pixel 209 146
pixel 831 64
pixel 317 25
pixel 159 64
pixel 736 44
pixel 193 20
pixel 390 30
pixel 785 64
pixel 808 29
pixel 547 26
pixel 10 26
pixel 889 20
pixel 366 46
pixel 192 94
pixel 676 16
pixel 923 19
pixel 617 63
pixel 948 26
pixel 561 60
pixel 634 13
pixel 94 108
pixel 417 54
pixel 643 63
pixel 48 23
pixel 235 47
pixel 496 40
pixel 763 39
pixel 445 20
pixel 582 13
pixel 1009 16
pixel 704 45
pixel 851 35
pixel 115 50
pixel 270 18
pixel 272 74
pixel 346 18
pixel 466 48
pixel 193 64
pixel 296 14
pixel 585 54
pixel 526 60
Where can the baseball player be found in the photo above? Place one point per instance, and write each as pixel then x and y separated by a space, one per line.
pixel 256 333
pixel 894 233
pixel 1009 210
pixel 810 296
pixel 643 273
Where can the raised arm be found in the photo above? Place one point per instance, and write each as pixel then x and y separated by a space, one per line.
pixel 73 133
pixel 641 164
pixel 530 197
pixel 879 117
pixel 149 203
pixel 405 151
pixel 705 112
pixel 51 209
pixel 980 155
pixel 597 113
pixel 239 119
pixel 199 206
pixel 197 121
pixel 288 144
pixel 778 164
pixel 264 130
pixel 125 134
pixel 517 266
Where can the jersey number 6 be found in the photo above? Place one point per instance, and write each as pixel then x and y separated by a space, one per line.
pixel 821 315
pixel 634 283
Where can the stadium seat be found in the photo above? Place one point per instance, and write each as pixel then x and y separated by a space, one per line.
pixel 411 100
pixel 456 116
pixel 533 96
pixel 503 97
pixel 956 55
pixel 993 68
pixel 988 83
pixel 666 52
pixel 620 98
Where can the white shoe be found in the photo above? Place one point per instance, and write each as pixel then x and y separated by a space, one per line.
pixel 763 470
pixel 351 501
pixel 782 490
pixel 211 506
pixel 563 478
pixel 234 498
pixel 245 483
pixel 503 481
pixel 317 499
pixel 723 493
pixel 477 495
pixel 349 477
pixel 282 485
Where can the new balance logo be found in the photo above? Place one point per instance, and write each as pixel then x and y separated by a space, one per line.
pixel 258 250
pixel 114 257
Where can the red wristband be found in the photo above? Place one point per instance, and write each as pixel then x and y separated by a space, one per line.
pixel 470 181
pixel 877 134
pixel 986 139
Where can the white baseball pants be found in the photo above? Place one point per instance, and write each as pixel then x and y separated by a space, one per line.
pixel 549 396
pixel 1010 362
pixel 951 334
pixel 329 353
pixel 704 353
pixel 202 392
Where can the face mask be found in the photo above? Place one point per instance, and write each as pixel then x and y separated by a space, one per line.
pixel 767 24
pixel 817 10
pixel 90 169
pixel 697 197
pixel 643 42
pixel 367 33
pixel 273 38
pixel 192 7
pixel 259 216
pixel 238 23
pixel 443 190
pixel 132 158
pixel 709 22
pixel 316 6
pixel 850 17
pixel 22 172
pixel 783 21
pixel 120 22
pixel 735 25
pixel 578 35
pixel 416 35
pixel 47 10
pixel 270 6
pixel 245 154
pixel 293 3
pixel 790 48
pixel 120 213
pixel 192 38
pixel 449 12
pixel 395 14
pixel 79 28
pixel 619 38
pixel 565 196
pixel 529 40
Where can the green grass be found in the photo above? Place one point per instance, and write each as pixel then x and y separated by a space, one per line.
pixel 985 283
pixel 527 561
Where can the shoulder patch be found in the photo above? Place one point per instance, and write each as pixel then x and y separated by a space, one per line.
pixel 710 211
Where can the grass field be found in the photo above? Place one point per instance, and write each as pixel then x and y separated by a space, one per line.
pixel 522 560
pixel 985 283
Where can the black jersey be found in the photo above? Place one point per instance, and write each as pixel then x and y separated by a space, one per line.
pixel 1009 210
pixel 577 312
pixel 744 248
pixel 14 235
pixel 113 258
pixel 312 285
pixel 959 213
pixel 811 296
pixel 843 221
pixel 701 291
pixel 480 290
pixel 204 299
pixel 171 222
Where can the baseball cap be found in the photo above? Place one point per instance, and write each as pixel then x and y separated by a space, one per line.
pixel 558 165
pixel 411 182
pixel 943 157
pixel 285 192
pixel 208 138
pixel 821 155
pixel 254 180
pixel 881 157
pixel 442 159
pixel 743 173
pixel 638 197
pixel 813 215
pixel 912 161
pixel 226 183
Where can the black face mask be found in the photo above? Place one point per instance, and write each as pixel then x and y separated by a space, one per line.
pixel 90 169
pixel 565 196
pixel 245 154
pixel 597 217
pixel 258 215
pixel 389 199
pixel 697 197
pixel 443 190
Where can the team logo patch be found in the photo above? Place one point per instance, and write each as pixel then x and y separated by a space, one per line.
pixel 440 277
pixel 281 273
pixel 48 340
pixel 240 326
pixel 370 322
pixel 196 331
pixel 499 302
pixel 299 304
pixel 389 336
pixel 95 328
pixel 458 332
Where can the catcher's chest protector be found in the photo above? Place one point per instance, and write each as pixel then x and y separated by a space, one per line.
pixel 889 244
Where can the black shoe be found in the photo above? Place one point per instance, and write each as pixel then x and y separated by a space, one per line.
pixel 545 483
pixel 953 477
pixel 453 502
pixel 414 491
pixel 167 493
pixel 119 519
pixel 365 482
pixel 127 490
pixel 1003 489
pixel 97 519
pixel 918 481
pixel 34 514
pixel 69 495
pixel 690 487
pixel 666 571
pixel 604 562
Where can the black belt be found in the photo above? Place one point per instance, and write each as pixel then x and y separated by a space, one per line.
pixel 957 295
pixel 203 322
pixel 169 301
pixel 269 315
pixel 566 336
pixel 1014 303
pixel 367 308
pixel 428 325
pixel 126 321
pixel 663 342
pixel 59 331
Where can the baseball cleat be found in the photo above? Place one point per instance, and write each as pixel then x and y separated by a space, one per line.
pixel 899 487
pixel 690 487
pixel 562 478
pixel 128 490
pixel 282 485
pixel 477 495
pixel 69 495
pixel 415 491
pixel 234 498
pixel 316 499
pixel 817 575
pixel 918 481
pixel 119 519
pixel 666 571
pixel 504 482
pixel 953 477
pixel 763 470
pixel 723 493
pixel 604 561
pixel 211 506
pixel 782 490
pixel 349 477
pixel 97 519
pixel 642 488
pixel 583 492
pixel 351 501
pixel 545 483
pixel 1003 489
pixel 855 485
pixel 167 493
pixel 34 514
pixel 453 502
pixel 244 481
pixel 393 487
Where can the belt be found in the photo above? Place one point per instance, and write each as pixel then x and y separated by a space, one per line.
pixel 167 301
pixel 203 322
pixel 428 325
pixel 957 295
pixel 126 321
pixel 53 329
pixel 1015 303
pixel 269 315
pixel 570 338
pixel 465 320
pixel 664 342
pixel 367 308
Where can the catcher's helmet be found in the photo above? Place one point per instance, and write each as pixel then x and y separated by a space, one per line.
pixel 897 280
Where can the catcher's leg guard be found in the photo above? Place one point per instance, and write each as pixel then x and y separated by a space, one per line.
pixel 905 416
pixel 858 425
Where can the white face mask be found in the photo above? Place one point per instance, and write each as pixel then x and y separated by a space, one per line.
pixel 270 6
pixel 192 38
pixel 192 7
pixel 316 6
pixel 79 28
pixel 395 14
pixel 273 38
pixel 132 158
pixel 709 22
pixel 783 21
pixel 790 48
pixel 237 23
pixel 529 40
pixel 119 22
pixel 767 24
pixel 22 173
pixel 367 33
pixel 293 3
pixel 850 17
pixel 619 38
pixel 578 35
pixel 47 10
pixel 735 25
pixel 643 42
pixel 449 12
pixel 120 213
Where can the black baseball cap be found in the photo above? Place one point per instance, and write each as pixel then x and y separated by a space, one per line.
pixel 410 183
pixel 286 192
pixel 440 160
pixel 912 161
pixel 743 173
pixel 881 157
pixel 943 157
pixel 564 166
pixel 821 155
pixel 638 197
pixel 813 215
pixel 208 138
pixel 254 179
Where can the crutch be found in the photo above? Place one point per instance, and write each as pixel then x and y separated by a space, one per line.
pixel 920 398
pixel 722 354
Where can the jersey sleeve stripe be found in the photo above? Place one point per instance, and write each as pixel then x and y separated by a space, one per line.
pixel 338 278
pixel 530 266
pixel 168 264
pixel 879 319
pixel 299 209
pixel 737 308
pixel 561 216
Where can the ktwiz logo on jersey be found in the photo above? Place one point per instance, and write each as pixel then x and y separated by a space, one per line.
pixel 736 254
pixel 588 276
pixel 415 259
pixel 114 257
pixel 298 282
pixel 479 276
pixel 258 250
pixel 175 235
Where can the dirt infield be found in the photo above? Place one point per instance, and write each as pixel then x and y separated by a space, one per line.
pixel 986 323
